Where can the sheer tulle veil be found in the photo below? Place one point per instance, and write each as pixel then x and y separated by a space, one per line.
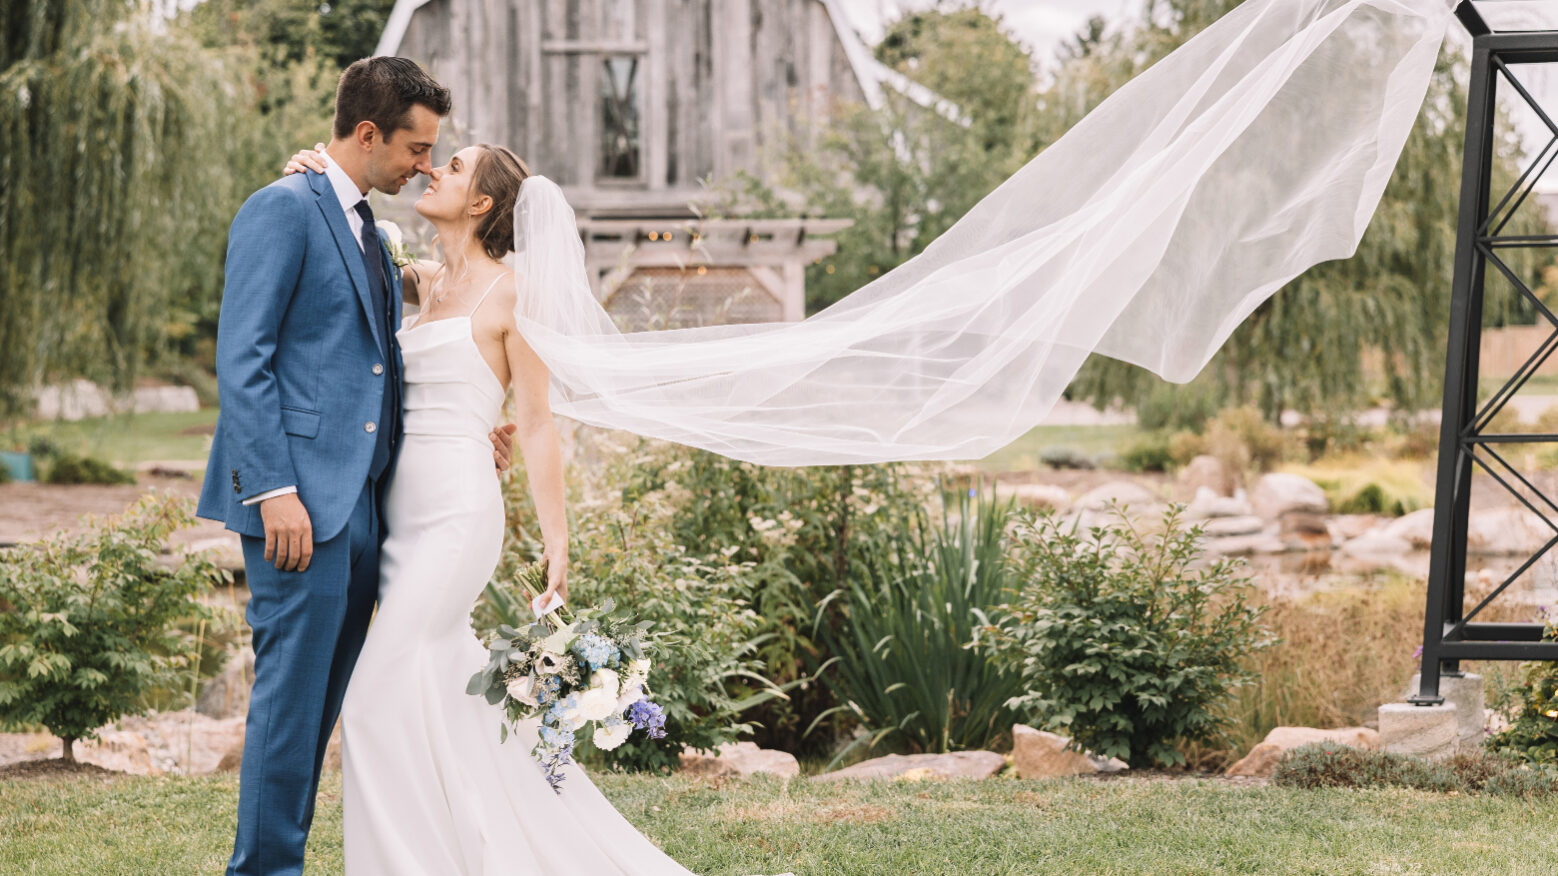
pixel 1147 233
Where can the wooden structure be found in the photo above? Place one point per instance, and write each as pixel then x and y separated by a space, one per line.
pixel 630 105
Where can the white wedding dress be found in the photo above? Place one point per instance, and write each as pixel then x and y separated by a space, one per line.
pixel 429 790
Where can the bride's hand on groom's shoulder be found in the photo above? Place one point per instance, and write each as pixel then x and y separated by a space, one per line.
pixel 307 159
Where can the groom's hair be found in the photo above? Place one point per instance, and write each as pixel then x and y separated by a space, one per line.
pixel 382 90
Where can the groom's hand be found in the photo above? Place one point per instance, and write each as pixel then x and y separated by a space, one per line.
pixel 503 445
pixel 289 534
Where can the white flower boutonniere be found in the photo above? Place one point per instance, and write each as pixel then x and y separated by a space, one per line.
pixel 400 254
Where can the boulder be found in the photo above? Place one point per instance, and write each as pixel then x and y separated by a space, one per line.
pixel 1377 542
pixel 1222 527
pixel 1245 545
pixel 226 695
pixel 1305 531
pixel 742 759
pixel 1346 527
pixel 1416 528
pixel 1039 496
pixel 1505 532
pixel 1207 505
pixel 1041 755
pixel 1262 759
pixel 1278 494
pixel 1209 473
pixel 124 751
pixel 954 765
pixel 1122 493
pixel 186 742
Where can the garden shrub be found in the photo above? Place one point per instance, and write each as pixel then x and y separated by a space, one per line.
pixel 1532 735
pixel 1245 442
pixel 1386 487
pixel 1150 452
pixel 900 660
pixel 705 674
pixel 800 533
pixel 90 625
pixel 1124 641
pixel 1065 458
pixel 68 468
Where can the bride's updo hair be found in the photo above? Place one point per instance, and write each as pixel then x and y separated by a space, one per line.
pixel 498 175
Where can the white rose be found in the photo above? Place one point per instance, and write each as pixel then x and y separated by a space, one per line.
pixel 389 231
pixel 523 689
pixel 600 701
pixel 630 695
pixel 612 735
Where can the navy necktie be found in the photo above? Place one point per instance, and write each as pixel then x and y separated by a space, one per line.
pixel 373 261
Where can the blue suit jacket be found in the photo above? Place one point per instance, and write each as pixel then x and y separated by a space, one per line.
pixel 298 364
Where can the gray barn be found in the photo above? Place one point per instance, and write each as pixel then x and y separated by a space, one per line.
pixel 629 104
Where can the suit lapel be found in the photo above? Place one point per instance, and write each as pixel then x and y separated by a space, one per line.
pixel 351 252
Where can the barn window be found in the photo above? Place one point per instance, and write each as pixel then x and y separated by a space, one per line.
pixel 621 145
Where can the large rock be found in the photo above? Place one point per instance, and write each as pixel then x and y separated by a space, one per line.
pixel 1417 528
pixel 1245 545
pixel 1279 494
pixel 1041 755
pixel 1505 532
pixel 1207 472
pixel 1207 505
pixel 1223 527
pixel 124 751
pixel 226 695
pixel 1262 759
pixel 742 759
pixel 1125 494
pixel 955 765
pixel 186 742
pixel 1043 497
pixel 1377 542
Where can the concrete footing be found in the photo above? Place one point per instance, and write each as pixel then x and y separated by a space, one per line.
pixel 1421 731
pixel 1466 692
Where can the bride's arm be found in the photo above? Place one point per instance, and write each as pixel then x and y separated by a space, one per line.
pixel 541 450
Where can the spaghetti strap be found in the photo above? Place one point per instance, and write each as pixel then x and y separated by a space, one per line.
pixel 483 297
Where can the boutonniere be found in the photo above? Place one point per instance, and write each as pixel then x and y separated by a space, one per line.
pixel 400 254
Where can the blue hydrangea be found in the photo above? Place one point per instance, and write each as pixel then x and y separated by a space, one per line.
pixel 595 651
pixel 647 716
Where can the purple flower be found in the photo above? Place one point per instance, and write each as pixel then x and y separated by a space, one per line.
pixel 1418 653
pixel 647 716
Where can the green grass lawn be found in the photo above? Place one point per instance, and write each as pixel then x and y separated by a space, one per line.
pixel 129 439
pixel 129 825
pixel 1093 442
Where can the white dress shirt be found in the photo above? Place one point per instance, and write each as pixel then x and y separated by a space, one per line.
pixel 349 195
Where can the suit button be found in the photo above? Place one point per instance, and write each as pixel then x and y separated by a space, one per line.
pixel 377 369
pixel 369 428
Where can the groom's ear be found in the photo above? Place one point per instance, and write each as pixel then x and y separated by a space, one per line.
pixel 367 134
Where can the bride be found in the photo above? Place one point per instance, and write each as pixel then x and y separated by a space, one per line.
pixel 429 789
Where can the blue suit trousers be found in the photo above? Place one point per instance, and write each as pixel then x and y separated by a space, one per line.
pixel 299 683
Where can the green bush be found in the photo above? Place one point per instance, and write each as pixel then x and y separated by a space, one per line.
pixel 901 662
pixel 705 673
pixel 1150 452
pixel 1063 458
pixel 68 468
pixel 89 621
pixel 1533 734
pixel 1125 642
pixel 1330 765
pixel 799 533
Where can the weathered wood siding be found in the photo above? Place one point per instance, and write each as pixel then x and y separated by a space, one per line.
pixel 720 82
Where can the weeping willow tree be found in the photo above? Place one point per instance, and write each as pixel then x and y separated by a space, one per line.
pixel 115 188
pixel 1345 334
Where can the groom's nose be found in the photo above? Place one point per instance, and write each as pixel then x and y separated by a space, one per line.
pixel 424 165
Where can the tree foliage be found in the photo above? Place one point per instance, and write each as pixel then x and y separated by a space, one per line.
pixel 114 199
pixel 88 626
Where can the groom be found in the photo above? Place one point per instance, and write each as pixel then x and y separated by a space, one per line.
pixel 308 373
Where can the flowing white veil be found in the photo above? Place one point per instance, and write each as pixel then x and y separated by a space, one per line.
pixel 1147 233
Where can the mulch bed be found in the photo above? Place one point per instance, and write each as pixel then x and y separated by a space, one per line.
pixel 53 768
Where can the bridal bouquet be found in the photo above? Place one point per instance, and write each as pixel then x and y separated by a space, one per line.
pixel 590 671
